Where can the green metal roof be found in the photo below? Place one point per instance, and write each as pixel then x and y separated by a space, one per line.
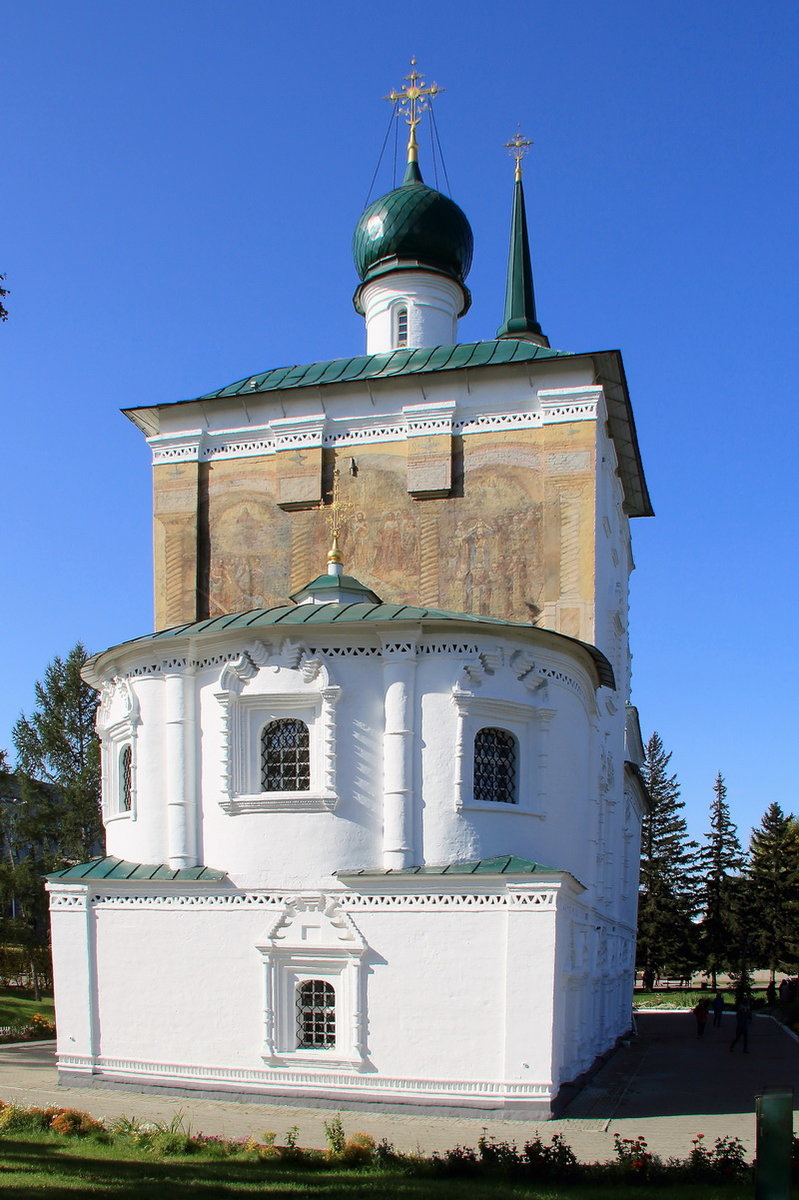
pixel 337 583
pixel 508 864
pixel 386 366
pixel 344 615
pixel 112 868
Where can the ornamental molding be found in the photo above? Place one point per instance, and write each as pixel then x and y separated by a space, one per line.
pixel 323 914
pixel 549 406
pixel 298 1079
pixel 532 897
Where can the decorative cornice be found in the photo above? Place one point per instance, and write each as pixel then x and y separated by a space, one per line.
pixel 553 406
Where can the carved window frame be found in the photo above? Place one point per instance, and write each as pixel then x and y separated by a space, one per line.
pixel 244 717
pixel 528 724
pixel 115 737
pixel 289 962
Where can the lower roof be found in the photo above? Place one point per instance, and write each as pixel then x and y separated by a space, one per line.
pixel 343 615
pixel 114 868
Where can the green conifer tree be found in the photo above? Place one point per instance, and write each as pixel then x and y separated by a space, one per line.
pixel 723 940
pixel 667 893
pixel 57 746
pixel 771 910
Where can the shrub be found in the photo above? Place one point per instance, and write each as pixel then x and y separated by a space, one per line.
pixel 545 1161
pixel 358 1150
pixel 74 1122
pixel 16 1118
pixel 334 1136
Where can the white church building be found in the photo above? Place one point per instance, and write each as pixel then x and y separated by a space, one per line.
pixel 373 834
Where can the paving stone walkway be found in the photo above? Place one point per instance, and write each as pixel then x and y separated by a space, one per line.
pixel 667 1085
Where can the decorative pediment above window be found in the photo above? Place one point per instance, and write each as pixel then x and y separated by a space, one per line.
pixel 314 949
pixel 261 692
pixel 117 722
pixel 315 921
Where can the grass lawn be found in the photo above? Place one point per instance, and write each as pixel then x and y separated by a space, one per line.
pixel 17 1006
pixel 44 1165
pixel 687 998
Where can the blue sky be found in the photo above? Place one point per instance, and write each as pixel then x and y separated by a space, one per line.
pixel 180 184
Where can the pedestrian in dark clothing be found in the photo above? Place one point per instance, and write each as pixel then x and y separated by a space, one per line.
pixel 700 1013
pixel 718 1009
pixel 743 1015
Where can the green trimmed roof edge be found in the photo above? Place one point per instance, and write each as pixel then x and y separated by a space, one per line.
pixel 397 362
pixel 503 864
pixel 288 615
pixel 116 869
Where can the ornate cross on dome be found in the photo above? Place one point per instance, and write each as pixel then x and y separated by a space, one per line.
pixel 412 102
pixel 518 147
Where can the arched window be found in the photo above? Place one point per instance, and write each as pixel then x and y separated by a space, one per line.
pixel 126 778
pixel 401 327
pixel 495 766
pixel 316 1014
pixel 285 756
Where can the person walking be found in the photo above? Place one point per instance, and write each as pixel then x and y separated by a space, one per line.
pixel 743 1015
pixel 718 1009
pixel 700 1014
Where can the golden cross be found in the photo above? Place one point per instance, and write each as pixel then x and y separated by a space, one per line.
pixel 413 101
pixel 337 512
pixel 518 147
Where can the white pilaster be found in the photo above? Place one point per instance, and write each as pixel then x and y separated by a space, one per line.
pixel 399 669
pixel 181 787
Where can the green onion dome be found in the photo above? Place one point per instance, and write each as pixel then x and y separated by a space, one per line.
pixel 413 226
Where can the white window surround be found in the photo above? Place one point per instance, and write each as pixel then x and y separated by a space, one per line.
pixel 305 695
pixel 528 724
pixel 400 319
pixel 117 721
pixel 313 939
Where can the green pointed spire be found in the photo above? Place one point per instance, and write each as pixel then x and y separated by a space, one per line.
pixel 520 317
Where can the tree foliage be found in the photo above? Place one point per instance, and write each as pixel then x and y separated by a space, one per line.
pixel 721 861
pixel 772 894
pixel 667 895
pixel 3 294
pixel 57 746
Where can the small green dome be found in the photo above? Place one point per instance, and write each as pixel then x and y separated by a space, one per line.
pixel 413 225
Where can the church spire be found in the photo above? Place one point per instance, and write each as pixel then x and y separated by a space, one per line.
pixel 520 317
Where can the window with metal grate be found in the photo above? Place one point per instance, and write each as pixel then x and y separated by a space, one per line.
pixel 495 766
pixel 316 1014
pixel 126 779
pixel 285 756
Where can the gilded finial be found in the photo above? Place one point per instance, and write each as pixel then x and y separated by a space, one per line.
pixel 517 147
pixel 337 512
pixel 413 101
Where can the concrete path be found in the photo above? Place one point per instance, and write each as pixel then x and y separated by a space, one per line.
pixel 667 1086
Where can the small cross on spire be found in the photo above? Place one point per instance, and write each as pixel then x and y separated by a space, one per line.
pixel 517 147
pixel 413 101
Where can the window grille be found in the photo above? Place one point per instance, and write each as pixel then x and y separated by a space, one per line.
pixel 316 1014
pixel 126 779
pixel 495 766
pixel 402 327
pixel 285 756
